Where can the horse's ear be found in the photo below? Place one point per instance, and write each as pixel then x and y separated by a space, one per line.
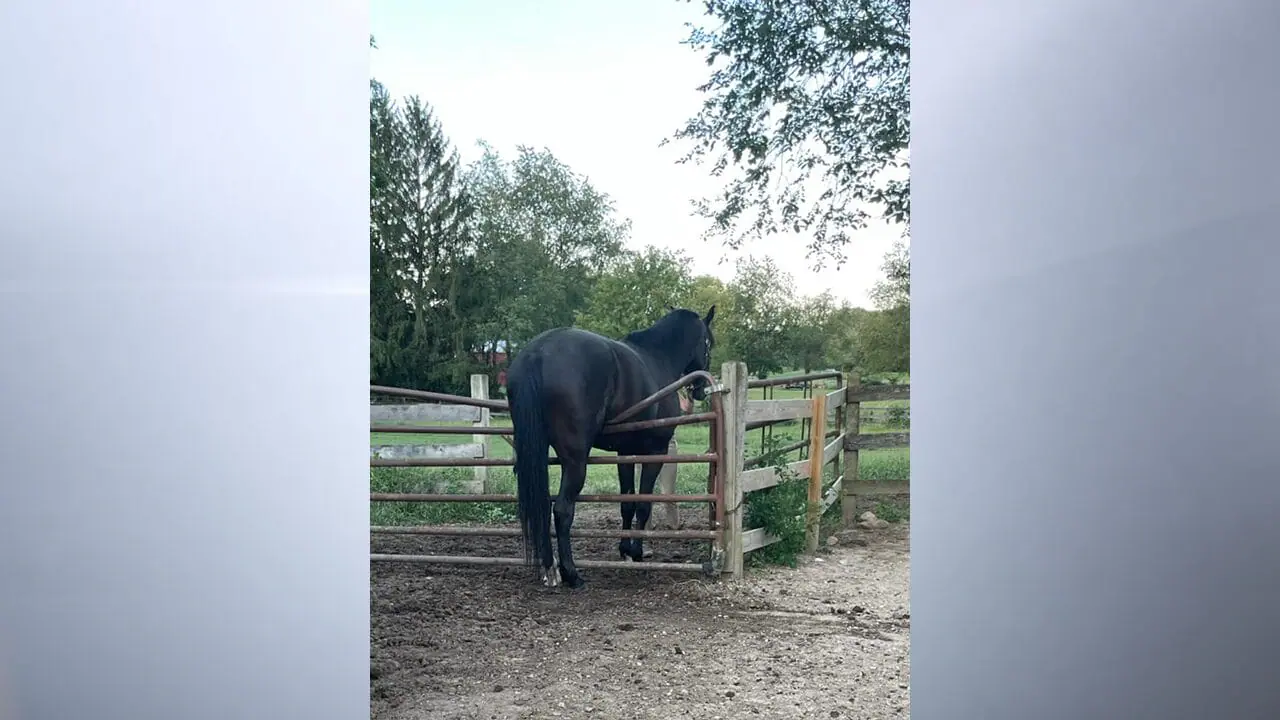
pixel 710 315
pixel 671 308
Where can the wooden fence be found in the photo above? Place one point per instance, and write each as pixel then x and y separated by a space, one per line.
pixel 886 415
pixel 417 413
pixel 833 420
pixel 839 411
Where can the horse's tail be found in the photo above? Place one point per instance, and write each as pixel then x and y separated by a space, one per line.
pixel 533 484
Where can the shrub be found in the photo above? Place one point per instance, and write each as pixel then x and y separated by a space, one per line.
pixel 780 511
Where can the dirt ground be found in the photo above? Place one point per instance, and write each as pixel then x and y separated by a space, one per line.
pixel 830 639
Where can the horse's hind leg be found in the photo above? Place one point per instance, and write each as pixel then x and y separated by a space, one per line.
pixel 648 478
pixel 573 476
pixel 550 577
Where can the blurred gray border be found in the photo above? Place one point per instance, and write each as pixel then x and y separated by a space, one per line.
pixel 183 291
pixel 1096 276
pixel 1094 225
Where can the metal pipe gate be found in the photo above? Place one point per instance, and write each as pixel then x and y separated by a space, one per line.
pixel 714 496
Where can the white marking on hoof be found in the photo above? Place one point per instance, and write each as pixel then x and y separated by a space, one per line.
pixel 628 558
pixel 550 577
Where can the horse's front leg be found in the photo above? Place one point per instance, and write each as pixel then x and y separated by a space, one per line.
pixel 627 486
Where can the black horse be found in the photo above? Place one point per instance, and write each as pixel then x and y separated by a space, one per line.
pixel 562 388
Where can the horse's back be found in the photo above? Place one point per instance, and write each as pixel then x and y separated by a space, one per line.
pixel 565 353
pixel 585 379
pixel 575 372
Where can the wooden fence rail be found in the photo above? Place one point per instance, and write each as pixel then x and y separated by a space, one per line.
pixel 387 415
pixel 833 421
pixel 844 406
pixel 855 441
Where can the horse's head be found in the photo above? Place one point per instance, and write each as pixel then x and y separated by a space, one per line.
pixel 703 340
pixel 684 341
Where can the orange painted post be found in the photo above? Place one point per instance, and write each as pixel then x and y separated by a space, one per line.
pixel 817 443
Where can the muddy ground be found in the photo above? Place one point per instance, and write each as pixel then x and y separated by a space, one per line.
pixel 830 639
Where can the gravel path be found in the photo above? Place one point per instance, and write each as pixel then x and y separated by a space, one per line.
pixel 830 639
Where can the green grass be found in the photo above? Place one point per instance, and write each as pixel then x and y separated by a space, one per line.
pixel 873 465
pixel 428 480
pixel 892 511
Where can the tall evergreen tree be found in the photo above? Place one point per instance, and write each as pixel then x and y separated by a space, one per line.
pixel 390 319
pixel 420 244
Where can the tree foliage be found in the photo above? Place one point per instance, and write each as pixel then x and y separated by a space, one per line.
pixel 810 328
pixel 843 344
pixel 894 289
pixel 887 333
pixel 808 104
pixel 544 232
pixel 636 289
pixel 463 260
pixel 884 340
pixel 708 290
pixel 419 243
pixel 757 331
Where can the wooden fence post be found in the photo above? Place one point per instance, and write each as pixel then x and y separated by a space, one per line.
pixel 733 375
pixel 845 371
pixel 852 421
pixel 817 443
pixel 668 516
pixel 480 391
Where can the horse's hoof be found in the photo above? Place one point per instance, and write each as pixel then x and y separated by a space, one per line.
pixel 550 578
pixel 627 558
pixel 572 579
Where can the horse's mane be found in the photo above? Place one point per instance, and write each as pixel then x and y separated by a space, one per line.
pixel 674 331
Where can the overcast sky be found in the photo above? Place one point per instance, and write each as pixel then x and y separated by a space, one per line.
pixel 599 84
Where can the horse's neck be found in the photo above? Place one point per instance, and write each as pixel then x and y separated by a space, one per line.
pixel 665 370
